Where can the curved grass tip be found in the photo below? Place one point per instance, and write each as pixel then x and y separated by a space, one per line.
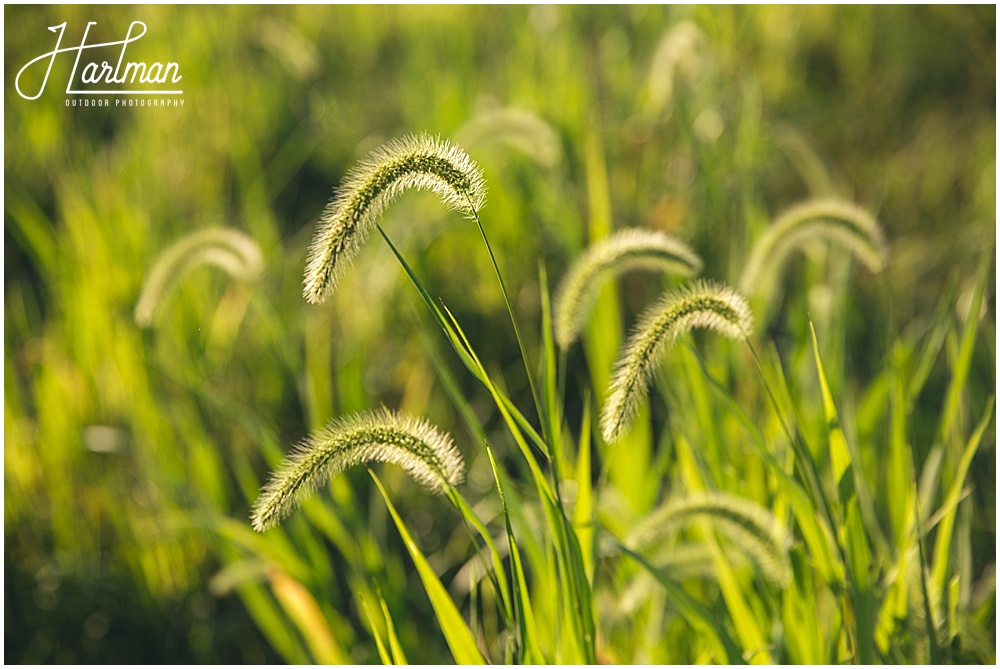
pixel 427 454
pixel 517 128
pixel 703 304
pixel 752 529
pixel 226 248
pixel 624 251
pixel 420 162
pixel 828 219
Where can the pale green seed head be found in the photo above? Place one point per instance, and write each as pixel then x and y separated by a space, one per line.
pixel 225 248
pixel 413 162
pixel 426 453
pixel 704 304
pixel 751 528
pixel 831 220
pixel 517 128
pixel 625 251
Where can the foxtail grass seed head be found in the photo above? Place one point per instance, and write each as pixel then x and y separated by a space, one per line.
pixel 624 251
pixel 225 248
pixel 827 219
pixel 418 162
pixel 703 304
pixel 678 55
pixel 516 128
pixel 752 529
pixel 426 453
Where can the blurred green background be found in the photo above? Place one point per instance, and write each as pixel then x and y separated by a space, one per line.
pixel 131 456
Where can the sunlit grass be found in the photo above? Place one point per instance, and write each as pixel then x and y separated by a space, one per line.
pixel 856 419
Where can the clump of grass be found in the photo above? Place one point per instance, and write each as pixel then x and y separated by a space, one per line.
pixel 704 304
pixel 752 528
pixel 827 219
pixel 625 251
pixel 426 453
pixel 226 248
pixel 419 162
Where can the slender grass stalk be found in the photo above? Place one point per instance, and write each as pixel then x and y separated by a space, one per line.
pixel 413 162
pixel 828 219
pixel 426 453
pixel 625 251
pixel 226 248
pixel 703 304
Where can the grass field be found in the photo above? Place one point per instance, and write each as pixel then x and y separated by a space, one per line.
pixel 813 483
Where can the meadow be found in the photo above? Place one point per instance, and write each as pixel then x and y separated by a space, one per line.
pixel 672 339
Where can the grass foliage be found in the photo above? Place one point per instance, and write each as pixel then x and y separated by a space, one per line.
pixel 821 490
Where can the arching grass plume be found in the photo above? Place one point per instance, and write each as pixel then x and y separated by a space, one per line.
pixel 226 248
pixel 426 453
pixel 677 55
pixel 704 304
pixel 624 251
pixel 419 162
pixel 751 528
pixel 827 219
pixel 518 128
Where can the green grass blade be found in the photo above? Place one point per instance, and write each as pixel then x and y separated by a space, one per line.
pixel 854 537
pixel 527 626
pixel 273 623
pixel 383 652
pixel 963 361
pixel 398 656
pixel 942 544
pixel 551 410
pixel 456 631
pixel 583 510
pixel 517 330
pixel 303 610
pixel 703 620
pixel 747 630
pixel 498 573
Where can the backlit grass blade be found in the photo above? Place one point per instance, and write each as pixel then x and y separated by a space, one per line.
pixel 744 621
pixel 942 544
pixel 583 510
pixel 460 343
pixel 963 360
pixel 398 656
pixel 498 574
pixel 453 625
pixel 527 627
pixel 854 538
pixel 702 619
pixel 301 607
pixel 383 652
